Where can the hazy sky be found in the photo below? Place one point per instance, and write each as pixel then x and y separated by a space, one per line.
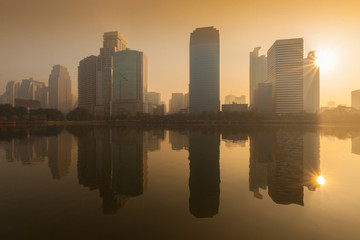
pixel 37 34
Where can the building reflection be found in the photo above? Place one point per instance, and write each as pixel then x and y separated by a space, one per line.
pixel 59 154
pixel 153 138
pixel 355 144
pixel 284 162
pixel 204 181
pixel 38 145
pixel 114 161
pixel 179 140
pixel 232 139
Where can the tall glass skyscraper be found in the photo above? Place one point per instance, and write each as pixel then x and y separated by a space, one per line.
pixel 113 42
pixel 130 79
pixel 204 70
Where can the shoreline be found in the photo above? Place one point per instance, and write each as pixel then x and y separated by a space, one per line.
pixel 220 123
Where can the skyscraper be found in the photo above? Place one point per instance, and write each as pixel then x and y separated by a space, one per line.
pixel 204 70
pixel 130 82
pixel 258 73
pixel 60 89
pixel 285 72
pixel 34 90
pixel 177 102
pixel 113 42
pixel 87 83
pixel 311 84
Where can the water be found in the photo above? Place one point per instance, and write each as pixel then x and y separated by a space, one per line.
pixel 185 183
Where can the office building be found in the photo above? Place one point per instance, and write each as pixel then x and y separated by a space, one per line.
pixel 204 70
pixel 113 42
pixel 153 98
pixel 355 99
pixel 60 89
pixel 129 82
pixel 258 73
pixel 263 98
pixel 311 84
pixel 177 103
pixel 11 93
pixel 285 72
pixel 87 83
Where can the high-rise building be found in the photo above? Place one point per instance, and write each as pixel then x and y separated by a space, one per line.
pixel 176 103
pixel 230 99
pixel 153 98
pixel 11 93
pixel 258 73
pixel 34 90
pixel 204 70
pixel 129 82
pixel 355 99
pixel 113 42
pixel 60 89
pixel 263 98
pixel 285 72
pixel 87 83
pixel 311 84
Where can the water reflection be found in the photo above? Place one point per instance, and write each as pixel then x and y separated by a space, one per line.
pixel 115 162
pixel 284 162
pixel 36 145
pixel 204 181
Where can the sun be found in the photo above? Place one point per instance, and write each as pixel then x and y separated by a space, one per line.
pixel 321 180
pixel 325 60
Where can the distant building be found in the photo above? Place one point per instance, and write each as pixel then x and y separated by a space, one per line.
pixel 331 104
pixel 176 103
pixel 204 70
pixel 129 82
pixel 355 99
pixel 258 73
pixel 234 107
pixel 285 72
pixel 153 97
pixel 27 103
pixel 34 90
pixel 113 42
pixel 311 84
pixel 87 83
pixel 264 98
pixel 11 92
pixel 60 96
pixel 230 99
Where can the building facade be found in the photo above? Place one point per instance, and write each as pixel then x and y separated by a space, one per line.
pixel 113 42
pixel 257 73
pixel 129 82
pixel 355 99
pixel 285 72
pixel 204 70
pixel 311 84
pixel 60 89
pixel 87 83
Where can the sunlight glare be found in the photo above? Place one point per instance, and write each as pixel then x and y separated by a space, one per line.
pixel 325 60
pixel 320 180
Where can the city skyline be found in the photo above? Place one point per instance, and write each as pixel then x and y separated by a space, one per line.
pixel 333 31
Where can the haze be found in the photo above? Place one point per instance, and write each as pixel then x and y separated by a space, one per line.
pixel 37 34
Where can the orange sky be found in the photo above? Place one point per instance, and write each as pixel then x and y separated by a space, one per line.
pixel 37 34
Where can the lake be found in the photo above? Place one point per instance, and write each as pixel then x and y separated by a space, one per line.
pixel 181 183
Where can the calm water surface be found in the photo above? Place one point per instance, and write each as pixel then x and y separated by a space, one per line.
pixel 208 183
